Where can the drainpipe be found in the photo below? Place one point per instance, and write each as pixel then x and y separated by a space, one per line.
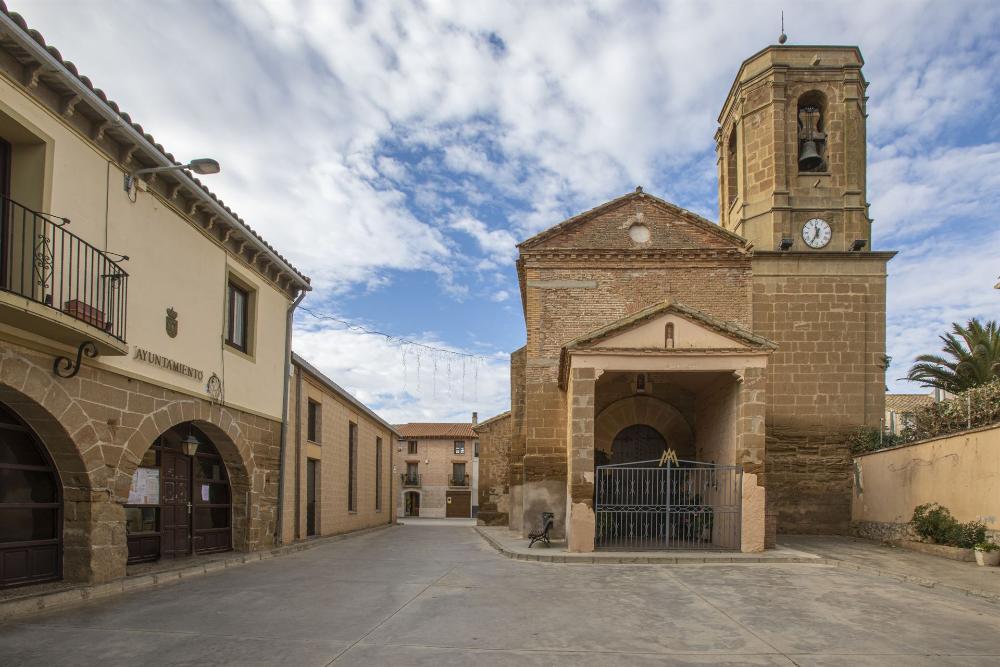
pixel 284 415
pixel 296 532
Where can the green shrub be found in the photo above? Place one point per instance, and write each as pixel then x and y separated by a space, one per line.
pixel 935 523
pixel 868 439
pixel 973 408
pixel 968 535
pixel 986 546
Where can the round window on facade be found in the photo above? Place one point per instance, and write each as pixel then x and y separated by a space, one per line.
pixel 639 233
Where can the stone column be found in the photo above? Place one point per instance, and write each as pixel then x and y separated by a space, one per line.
pixel 94 541
pixel 750 432
pixel 751 443
pixel 580 519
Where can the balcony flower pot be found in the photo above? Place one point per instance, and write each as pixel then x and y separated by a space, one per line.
pixel 987 554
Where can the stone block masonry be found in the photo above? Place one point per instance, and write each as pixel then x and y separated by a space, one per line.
pixel 98 425
pixel 827 377
pixel 494 470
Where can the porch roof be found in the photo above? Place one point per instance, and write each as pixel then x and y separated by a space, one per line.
pixel 599 342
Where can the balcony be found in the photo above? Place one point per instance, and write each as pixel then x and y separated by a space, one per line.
pixel 410 479
pixel 56 285
pixel 459 482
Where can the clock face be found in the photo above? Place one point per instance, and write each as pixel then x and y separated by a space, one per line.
pixel 816 233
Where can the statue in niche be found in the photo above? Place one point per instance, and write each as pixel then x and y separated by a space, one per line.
pixel 812 140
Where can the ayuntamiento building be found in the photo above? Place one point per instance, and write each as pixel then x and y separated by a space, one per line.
pixel 749 349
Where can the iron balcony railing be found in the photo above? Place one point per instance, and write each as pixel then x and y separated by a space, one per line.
pixel 410 479
pixel 42 261
pixel 458 481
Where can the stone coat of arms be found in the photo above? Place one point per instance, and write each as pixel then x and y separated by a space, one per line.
pixel 171 322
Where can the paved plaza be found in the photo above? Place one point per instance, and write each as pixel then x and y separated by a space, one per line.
pixel 425 594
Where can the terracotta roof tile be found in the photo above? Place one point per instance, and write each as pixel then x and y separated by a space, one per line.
pixel 907 402
pixel 436 430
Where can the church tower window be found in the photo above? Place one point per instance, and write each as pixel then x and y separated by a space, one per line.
pixel 731 184
pixel 812 132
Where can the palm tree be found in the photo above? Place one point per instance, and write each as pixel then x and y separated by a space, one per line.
pixel 974 352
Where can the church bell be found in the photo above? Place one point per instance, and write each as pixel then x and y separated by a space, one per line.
pixel 809 158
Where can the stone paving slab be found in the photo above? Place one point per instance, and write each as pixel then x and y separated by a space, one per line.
pixel 886 560
pixel 441 595
pixel 23 601
pixel 512 545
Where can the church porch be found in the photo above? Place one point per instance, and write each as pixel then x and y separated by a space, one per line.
pixel 699 398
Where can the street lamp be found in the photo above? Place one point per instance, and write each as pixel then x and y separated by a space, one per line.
pixel 190 443
pixel 201 166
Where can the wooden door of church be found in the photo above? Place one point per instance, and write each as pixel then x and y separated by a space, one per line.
pixel 637 443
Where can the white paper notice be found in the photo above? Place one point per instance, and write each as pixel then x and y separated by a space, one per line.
pixel 145 487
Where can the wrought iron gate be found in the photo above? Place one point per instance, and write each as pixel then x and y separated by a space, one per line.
pixel 683 505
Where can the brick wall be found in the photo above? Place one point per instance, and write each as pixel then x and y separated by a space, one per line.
pixel 591 274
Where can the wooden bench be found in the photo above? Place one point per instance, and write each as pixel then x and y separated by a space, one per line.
pixel 543 534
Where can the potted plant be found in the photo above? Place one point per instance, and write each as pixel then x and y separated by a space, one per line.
pixel 987 553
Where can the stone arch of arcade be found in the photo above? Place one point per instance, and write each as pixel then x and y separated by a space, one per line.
pixel 96 447
pixel 47 409
pixel 224 435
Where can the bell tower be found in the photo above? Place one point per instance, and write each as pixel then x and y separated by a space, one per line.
pixel 791 151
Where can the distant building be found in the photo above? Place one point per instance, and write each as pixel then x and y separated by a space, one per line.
pixel 899 409
pixel 435 469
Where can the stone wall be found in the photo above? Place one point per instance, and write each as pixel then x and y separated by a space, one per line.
pixel 518 360
pixel 97 426
pixel 494 470
pixel 827 315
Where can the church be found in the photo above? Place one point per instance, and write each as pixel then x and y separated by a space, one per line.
pixel 691 385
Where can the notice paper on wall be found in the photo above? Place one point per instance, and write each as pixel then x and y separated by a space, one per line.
pixel 145 487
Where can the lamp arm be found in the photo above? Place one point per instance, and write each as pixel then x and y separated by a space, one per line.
pixel 157 170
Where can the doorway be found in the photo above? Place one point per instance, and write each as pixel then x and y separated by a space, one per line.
pixel 411 503
pixel 180 499
pixel 30 507
pixel 175 505
pixel 638 442
pixel 311 471
pixel 458 505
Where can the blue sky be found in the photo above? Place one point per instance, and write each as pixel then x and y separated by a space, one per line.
pixel 396 152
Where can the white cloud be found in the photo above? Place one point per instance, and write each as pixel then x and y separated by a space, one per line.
pixel 364 138
pixel 498 244
pixel 404 382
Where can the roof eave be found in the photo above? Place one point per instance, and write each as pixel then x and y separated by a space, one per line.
pixel 56 66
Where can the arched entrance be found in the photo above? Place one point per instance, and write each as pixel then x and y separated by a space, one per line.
pixel 180 500
pixel 411 503
pixel 30 506
pixel 638 442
